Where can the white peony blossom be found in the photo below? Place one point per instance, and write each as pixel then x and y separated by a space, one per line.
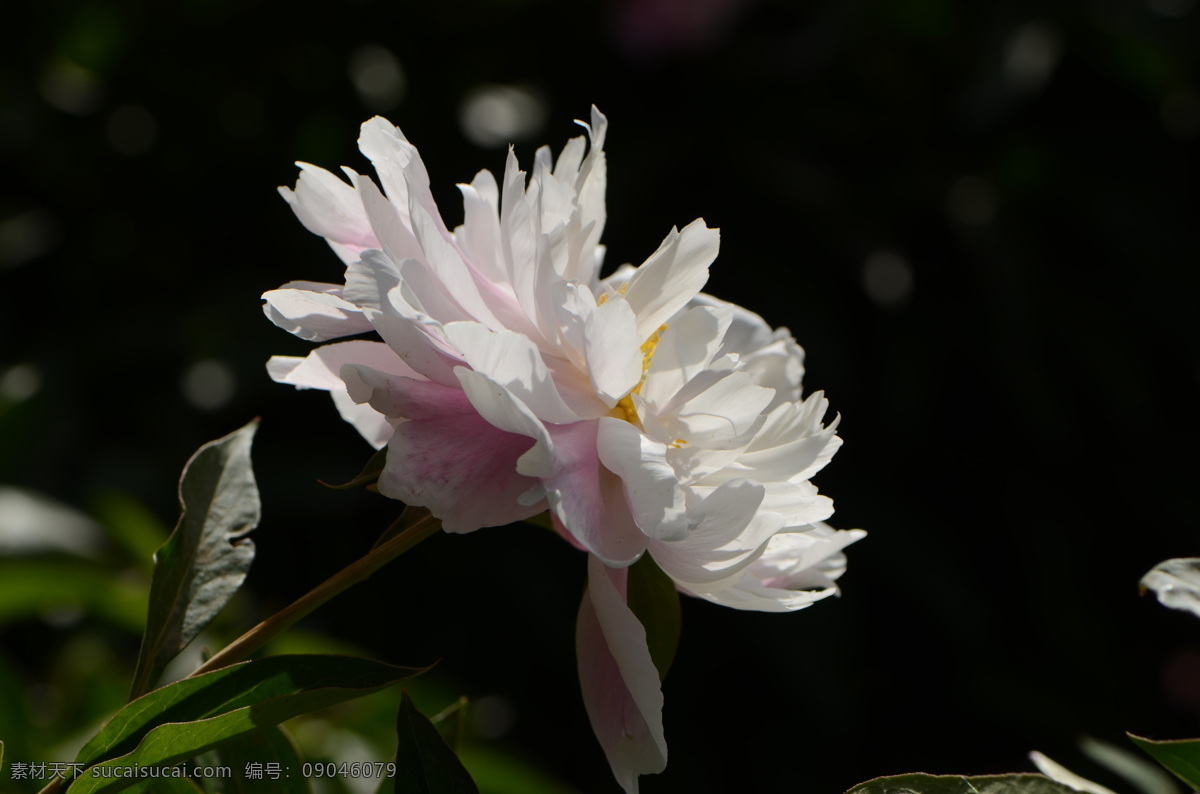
pixel 511 379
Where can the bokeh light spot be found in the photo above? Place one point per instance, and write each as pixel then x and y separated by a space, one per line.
pixel 492 116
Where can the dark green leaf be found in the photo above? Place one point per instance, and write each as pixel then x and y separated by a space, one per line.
pixel 168 785
pixel 955 784
pixel 206 558
pixel 262 747
pixel 424 763
pixel 652 597
pixel 190 716
pixel 368 475
pixel 1181 757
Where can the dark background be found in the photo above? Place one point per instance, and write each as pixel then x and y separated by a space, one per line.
pixel 980 220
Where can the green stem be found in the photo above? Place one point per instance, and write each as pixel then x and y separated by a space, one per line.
pixel 413 531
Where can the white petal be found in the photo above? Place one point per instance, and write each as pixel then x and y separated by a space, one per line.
pixel 321 369
pixel 1060 774
pixel 798 568
pixel 723 413
pixel 313 311
pixel 672 276
pixel 514 362
pixel 613 350
pixel 687 346
pixel 731 533
pixel 479 236
pixel 329 207
pixel 650 483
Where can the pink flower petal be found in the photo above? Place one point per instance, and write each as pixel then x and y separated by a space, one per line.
pixel 619 681
pixel 589 499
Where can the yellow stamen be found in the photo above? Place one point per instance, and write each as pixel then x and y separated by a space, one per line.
pixel 625 404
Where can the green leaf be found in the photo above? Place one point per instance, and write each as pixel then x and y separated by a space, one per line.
pixel 368 475
pixel 451 722
pixel 652 597
pixel 425 764
pixel 1181 757
pixel 131 525
pixel 1146 776
pixel 262 747
pixel 1176 583
pixel 33 588
pixel 190 716
pixel 206 558
pixel 956 784
pixel 166 785
pixel 505 772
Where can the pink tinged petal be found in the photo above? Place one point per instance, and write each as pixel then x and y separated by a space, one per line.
pixel 313 311
pixel 731 533
pixel 613 350
pixel 447 457
pixel 620 685
pixel 589 499
pixel 513 361
pixel 672 276
pixel 505 412
pixel 403 397
pixel 329 207
pixel 651 485
pixel 460 467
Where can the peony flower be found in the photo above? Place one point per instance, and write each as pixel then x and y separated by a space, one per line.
pixel 510 379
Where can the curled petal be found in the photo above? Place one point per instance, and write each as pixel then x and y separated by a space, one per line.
pixel 797 568
pixel 619 681
pixel 312 311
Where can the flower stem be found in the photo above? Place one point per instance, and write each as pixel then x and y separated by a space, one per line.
pixel 409 530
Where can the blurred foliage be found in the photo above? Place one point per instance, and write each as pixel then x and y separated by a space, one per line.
pixel 979 220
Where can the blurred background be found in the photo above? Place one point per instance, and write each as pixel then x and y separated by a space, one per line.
pixel 980 220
